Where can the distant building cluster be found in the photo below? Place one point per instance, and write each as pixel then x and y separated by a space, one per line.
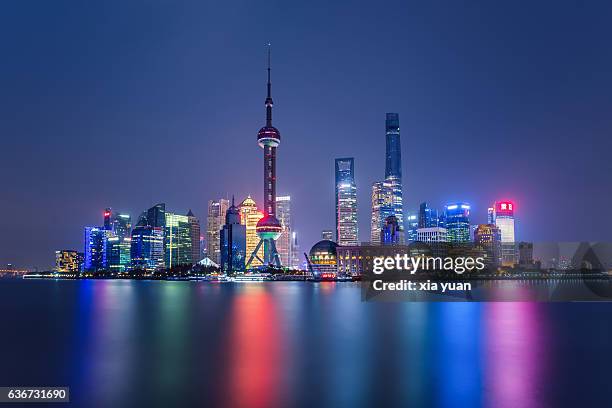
pixel 442 231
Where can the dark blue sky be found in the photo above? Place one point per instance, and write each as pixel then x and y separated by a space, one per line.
pixel 126 104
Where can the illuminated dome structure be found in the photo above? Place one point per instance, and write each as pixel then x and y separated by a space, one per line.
pixel 324 257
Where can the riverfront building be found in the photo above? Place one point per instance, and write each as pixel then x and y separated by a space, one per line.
pixel 177 240
pixel 249 217
pixel 347 230
pixel 457 222
pixel 214 223
pixel 233 242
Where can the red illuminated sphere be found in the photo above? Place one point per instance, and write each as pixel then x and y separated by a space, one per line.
pixel 269 227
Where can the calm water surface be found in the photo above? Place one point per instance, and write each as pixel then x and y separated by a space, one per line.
pixel 137 343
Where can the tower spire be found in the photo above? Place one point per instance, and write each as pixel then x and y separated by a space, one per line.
pixel 269 98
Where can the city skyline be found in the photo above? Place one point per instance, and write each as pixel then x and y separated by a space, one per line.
pixel 67 154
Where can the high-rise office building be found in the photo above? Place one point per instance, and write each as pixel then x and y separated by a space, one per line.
pixel 295 258
pixel 457 222
pixel 147 248
pixel 503 215
pixel 412 225
pixel 393 165
pixel 488 237
pixel 117 253
pixel 284 243
pixel 327 235
pixel 108 213
pixel 428 217
pixel 93 249
pixel 382 207
pixel 194 228
pixel 156 216
pixel 121 225
pixel 232 242
pixel 214 223
pixel 490 215
pixel 249 217
pixel 68 261
pixel 347 230
pixel 177 240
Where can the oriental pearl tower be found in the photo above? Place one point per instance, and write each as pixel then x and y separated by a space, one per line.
pixel 268 228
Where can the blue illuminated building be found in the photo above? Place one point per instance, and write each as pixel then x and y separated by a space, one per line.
pixel 93 249
pixel 457 222
pixel 233 242
pixel 428 217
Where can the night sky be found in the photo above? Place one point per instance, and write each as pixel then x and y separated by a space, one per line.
pixel 127 104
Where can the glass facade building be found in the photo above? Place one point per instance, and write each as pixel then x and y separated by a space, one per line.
pixel 177 240
pixel 503 216
pixel 393 165
pixel 214 223
pixel 428 217
pixel 382 207
pixel 457 222
pixel 284 243
pixel 194 228
pixel 347 230
pixel 117 254
pixel 147 248
pixel 249 216
pixel 412 225
pixel 93 249
pixel 232 242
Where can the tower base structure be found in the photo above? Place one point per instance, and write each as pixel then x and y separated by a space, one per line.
pixel 271 256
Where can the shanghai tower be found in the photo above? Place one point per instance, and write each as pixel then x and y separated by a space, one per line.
pixel 268 228
pixel 393 166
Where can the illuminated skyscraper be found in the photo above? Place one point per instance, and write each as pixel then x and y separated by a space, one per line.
pixel 117 255
pixel 284 243
pixel 177 240
pixel 194 228
pixel 107 219
pixel 503 215
pixel 347 231
pixel 488 237
pixel 233 242
pixel 490 215
pixel 268 228
pixel 93 249
pixel 393 165
pixel 156 215
pixel 457 222
pixel 412 225
pixel 67 261
pixel 121 225
pixel 428 217
pixel 249 216
pixel 214 223
pixel 382 207
pixel 147 248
